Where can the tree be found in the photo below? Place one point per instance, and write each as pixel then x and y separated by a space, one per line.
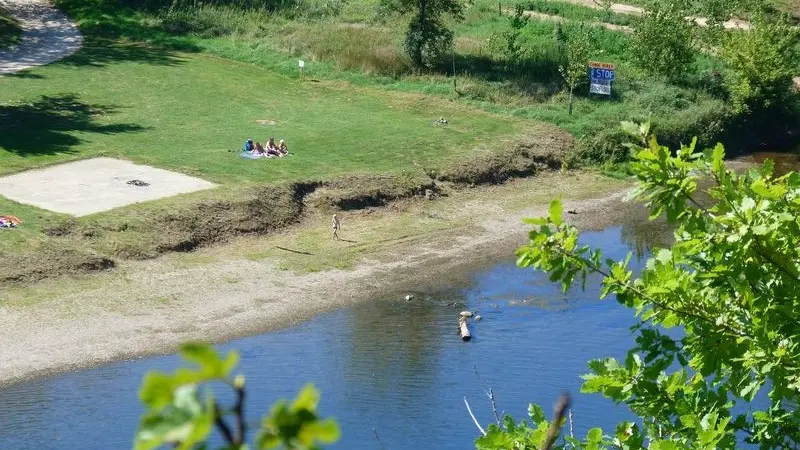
pixel 509 42
pixel 574 68
pixel 662 43
pixel 762 63
pixel 607 6
pixel 730 283
pixel 182 416
pixel 427 38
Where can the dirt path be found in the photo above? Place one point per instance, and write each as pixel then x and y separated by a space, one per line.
pixel 621 8
pixel 47 36
pixel 219 293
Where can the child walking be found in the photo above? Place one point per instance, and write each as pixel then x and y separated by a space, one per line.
pixel 335 224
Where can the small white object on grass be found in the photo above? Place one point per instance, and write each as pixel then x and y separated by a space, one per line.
pixel 409 297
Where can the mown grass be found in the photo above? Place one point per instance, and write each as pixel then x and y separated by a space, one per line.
pixel 10 29
pixel 193 113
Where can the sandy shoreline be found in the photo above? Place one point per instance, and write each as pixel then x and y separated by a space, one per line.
pixel 151 307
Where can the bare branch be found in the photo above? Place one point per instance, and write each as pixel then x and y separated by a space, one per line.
pixel 561 406
pixel 571 430
pixel 238 409
pixel 224 429
pixel 490 394
pixel 377 438
pixel 483 432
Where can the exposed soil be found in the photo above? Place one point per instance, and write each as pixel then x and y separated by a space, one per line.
pixel 145 231
pixel 152 306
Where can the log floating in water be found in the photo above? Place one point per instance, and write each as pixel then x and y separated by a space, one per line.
pixel 463 330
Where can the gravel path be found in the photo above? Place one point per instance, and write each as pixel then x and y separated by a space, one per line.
pixel 48 35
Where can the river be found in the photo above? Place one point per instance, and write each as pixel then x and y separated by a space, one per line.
pixel 391 365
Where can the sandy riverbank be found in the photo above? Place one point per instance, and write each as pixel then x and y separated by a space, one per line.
pixel 255 285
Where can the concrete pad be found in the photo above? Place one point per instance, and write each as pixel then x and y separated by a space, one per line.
pixel 90 186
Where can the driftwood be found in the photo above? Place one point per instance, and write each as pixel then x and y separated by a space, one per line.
pixel 463 330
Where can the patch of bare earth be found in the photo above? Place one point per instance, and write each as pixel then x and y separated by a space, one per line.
pixel 152 306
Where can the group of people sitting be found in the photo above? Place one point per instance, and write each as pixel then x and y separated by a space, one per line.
pixel 268 150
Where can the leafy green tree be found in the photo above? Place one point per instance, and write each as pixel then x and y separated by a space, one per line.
pixel 575 66
pixel 762 63
pixel 662 43
pixel 427 37
pixel 730 283
pixel 509 42
pixel 182 415
pixel 607 7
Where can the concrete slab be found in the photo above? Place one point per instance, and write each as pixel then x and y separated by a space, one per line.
pixel 93 185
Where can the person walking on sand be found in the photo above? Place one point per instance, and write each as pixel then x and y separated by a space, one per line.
pixel 336 225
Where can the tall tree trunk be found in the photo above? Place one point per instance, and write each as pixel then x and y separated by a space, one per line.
pixel 569 108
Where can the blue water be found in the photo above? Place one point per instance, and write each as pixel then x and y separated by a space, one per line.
pixel 391 365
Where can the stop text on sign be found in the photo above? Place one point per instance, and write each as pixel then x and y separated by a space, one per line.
pixel 600 77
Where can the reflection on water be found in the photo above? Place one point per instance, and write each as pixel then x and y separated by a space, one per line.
pixel 784 162
pixel 391 365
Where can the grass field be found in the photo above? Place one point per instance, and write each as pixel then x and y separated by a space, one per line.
pixel 10 30
pixel 187 114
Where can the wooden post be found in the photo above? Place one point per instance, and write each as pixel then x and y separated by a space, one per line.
pixel 463 330
pixel 455 88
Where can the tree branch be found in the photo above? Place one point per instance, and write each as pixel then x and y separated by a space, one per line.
pixel 223 427
pixel 490 394
pixel 238 409
pixel 377 438
pixel 759 247
pixel 647 297
pixel 560 408
pixel 483 432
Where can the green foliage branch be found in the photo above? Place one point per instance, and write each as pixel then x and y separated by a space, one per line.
pixel 181 410
pixel 730 282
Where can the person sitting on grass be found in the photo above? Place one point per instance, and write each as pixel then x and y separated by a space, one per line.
pixel 248 145
pixel 272 149
pixel 283 148
pixel 259 149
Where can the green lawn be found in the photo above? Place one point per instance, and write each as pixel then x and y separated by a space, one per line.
pixel 185 111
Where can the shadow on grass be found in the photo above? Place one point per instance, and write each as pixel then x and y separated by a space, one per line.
pixel 98 52
pixel 45 126
pixel 24 74
pixel 536 77
pixel 293 251
pixel 114 33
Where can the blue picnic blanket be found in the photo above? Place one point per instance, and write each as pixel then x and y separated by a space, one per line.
pixel 249 155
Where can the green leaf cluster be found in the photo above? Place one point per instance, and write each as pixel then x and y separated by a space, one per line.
pixel 296 425
pixel 762 63
pixel 181 410
pixel 730 282
pixel 663 41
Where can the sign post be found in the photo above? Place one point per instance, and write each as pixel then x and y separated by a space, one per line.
pixel 601 75
pixel 302 65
